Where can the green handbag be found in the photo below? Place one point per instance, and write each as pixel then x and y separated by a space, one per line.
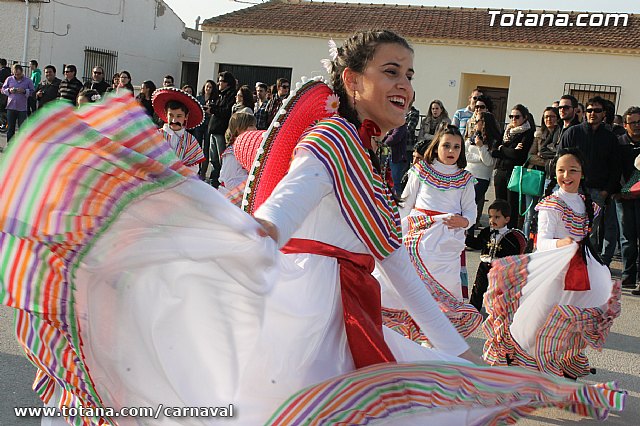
pixel 526 181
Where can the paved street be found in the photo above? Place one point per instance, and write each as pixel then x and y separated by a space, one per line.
pixel 619 361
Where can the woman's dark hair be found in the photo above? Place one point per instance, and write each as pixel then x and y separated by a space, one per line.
pixel 526 114
pixel 214 90
pixel 89 95
pixel 585 244
pixel 355 54
pixel 421 146
pixel 188 86
pixel 543 125
pixel 128 85
pixel 431 153
pixel 490 133
pixel 247 96
pixel 149 85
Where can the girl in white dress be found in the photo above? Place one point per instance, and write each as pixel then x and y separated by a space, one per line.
pixel 547 307
pixel 439 205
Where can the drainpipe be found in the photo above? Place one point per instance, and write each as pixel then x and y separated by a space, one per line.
pixel 26 32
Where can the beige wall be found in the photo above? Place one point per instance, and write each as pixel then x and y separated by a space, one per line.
pixel 535 78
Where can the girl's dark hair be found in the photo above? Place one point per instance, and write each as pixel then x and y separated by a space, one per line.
pixel 444 112
pixel 355 54
pixel 228 78
pixel 491 134
pixel 585 244
pixel 149 85
pixel 432 151
pixel 88 95
pixel 247 96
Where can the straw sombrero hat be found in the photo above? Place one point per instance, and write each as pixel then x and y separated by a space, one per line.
pixel 312 101
pixel 161 97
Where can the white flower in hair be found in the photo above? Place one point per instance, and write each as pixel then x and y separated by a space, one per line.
pixel 333 50
pixel 327 65
pixel 95 97
pixel 332 104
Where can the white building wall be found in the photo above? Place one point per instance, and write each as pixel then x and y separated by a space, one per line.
pixel 149 40
pixel 537 78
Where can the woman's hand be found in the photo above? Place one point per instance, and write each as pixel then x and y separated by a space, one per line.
pixel 268 229
pixel 519 146
pixel 456 221
pixel 471 357
pixel 564 242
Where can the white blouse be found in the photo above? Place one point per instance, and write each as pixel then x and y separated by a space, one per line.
pixel 479 160
pixel 419 195
pixel 551 228
pixel 304 205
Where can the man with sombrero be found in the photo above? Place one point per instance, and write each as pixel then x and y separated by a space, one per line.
pixel 180 111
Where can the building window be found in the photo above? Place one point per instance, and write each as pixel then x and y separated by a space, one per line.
pixel 583 92
pixel 107 59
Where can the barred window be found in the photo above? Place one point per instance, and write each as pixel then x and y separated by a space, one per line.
pixel 107 59
pixel 583 92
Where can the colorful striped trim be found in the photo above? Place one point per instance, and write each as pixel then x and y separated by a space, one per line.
pixel 63 181
pixel 391 391
pixel 188 148
pixel 365 202
pixel 560 342
pixel 442 181
pixel 464 317
pixel 574 223
pixel 401 322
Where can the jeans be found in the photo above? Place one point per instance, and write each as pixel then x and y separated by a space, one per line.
pixel 531 218
pixel 397 171
pixel 481 187
pixel 611 231
pixel 14 117
pixel 217 145
pixel 500 182
pixel 629 216
pixel 600 201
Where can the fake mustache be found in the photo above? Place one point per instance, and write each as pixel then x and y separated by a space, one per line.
pixel 174 123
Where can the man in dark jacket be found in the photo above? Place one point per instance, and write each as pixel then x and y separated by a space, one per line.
pixel 396 139
pixel 48 88
pixel 70 86
pixel 600 147
pixel 628 207
pixel 97 82
pixel 220 115
pixel 568 117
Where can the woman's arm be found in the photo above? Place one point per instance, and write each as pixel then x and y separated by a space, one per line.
pixel 297 194
pixel 410 194
pixel 421 305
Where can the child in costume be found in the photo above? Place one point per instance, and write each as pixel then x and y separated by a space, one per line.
pixel 495 241
pixel 439 205
pixel 547 307
pixel 180 111
pixel 232 174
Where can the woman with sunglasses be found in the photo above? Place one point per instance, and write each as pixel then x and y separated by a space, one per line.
pixel 543 151
pixel 513 151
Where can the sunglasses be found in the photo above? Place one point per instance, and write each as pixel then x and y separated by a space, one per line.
pixel 475 98
pixel 594 110
pixel 515 117
pixel 565 107
pixel 285 86
pixel 633 123
pixel 68 70
pixel 97 72
pixel 481 106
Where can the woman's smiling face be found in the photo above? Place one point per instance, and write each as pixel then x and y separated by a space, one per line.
pixel 383 90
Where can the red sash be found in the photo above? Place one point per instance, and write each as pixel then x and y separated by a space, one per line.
pixel 430 212
pixel 360 300
pixel 577 278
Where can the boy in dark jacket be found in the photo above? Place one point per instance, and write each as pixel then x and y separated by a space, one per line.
pixel 495 241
